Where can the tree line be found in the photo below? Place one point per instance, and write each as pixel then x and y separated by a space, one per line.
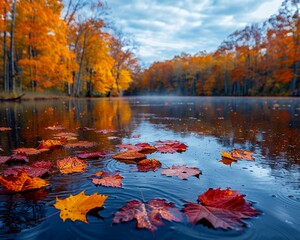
pixel 64 45
pixel 261 59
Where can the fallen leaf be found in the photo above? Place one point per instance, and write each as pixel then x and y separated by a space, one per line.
pixel 36 169
pixel 66 134
pixel 136 136
pixel 92 155
pixel 228 155
pixel 227 161
pixel 80 144
pixel 181 172
pixel 4 159
pixel 50 144
pixel 22 182
pixel 242 154
pixel 55 127
pixel 70 165
pixel 28 151
pixel 129 155
pixel 148 215
pixel 86 129
pixel 148 165
pixel 19 157
pixel 129 147
pixel 222 208
pixel 4 129
pixel 108 179
pixel 76 207
pixel 106 131
pixel 140 147
pixel 170 146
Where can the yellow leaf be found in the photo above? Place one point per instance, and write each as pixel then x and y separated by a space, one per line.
pixel 228 155
pixel 76 207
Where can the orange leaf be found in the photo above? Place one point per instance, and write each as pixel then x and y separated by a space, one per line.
pixel 50 144
pixel 84 144
pixel 242 154
pixel 129 155
pixel 70 165
pixel 22 182
pixel 4 129
pixel 27 151
pixel 228 155
pixel 76 207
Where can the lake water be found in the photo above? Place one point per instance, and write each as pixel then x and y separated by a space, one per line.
pixel 268 127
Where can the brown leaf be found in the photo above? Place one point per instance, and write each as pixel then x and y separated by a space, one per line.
pixel 129 155
pixel 66 134
pixel 22 182
pixel 148 215
pixel 242 154
pixel 70 165
pixel 50 144
pixel 148 165
pixel 80 144
pixel 181 172
pixel 76 207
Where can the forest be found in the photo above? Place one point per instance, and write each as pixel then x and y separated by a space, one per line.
pixel 50 44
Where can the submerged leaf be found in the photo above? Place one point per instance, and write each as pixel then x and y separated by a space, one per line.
pixel 76 207
pixel 181 172
pixel 222 208
pixel 70 165
pixel 148 215
pixel 22 182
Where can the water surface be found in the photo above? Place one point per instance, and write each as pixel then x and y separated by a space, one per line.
pixel 268 127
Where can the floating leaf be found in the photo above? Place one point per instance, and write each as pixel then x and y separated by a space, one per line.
pixel 106 131
pixel 80 144
pixel 27 151
pixel 228 155
pixel 50 144
pixel 148 165
pixel 170 146
pixel 129 155
pixel 227 161
pixel 4 159
pixel 92 155
pixel 55 127
pixel 86 129
pixel 70 165
pixel 136 136
pixel 145 148
pixel 148 215
pixel 22 182
pixel 182 172
pixel 129 147
pixel 108 179
pixel 2 129
pixel 76 207
pixel 36 169
pixel 242 154
pixel 19 157
pixel 222 208
pixel 66 134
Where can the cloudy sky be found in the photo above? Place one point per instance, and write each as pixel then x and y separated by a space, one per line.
pixel 165 28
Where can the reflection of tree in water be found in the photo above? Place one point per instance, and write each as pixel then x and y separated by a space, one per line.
pixel 248 123
pixel 21 211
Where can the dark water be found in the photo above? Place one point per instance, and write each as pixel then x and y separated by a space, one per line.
pixel 270 128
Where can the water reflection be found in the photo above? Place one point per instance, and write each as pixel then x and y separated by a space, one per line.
pixel 270 128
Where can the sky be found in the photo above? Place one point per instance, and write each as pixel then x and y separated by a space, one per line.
pixel 165 28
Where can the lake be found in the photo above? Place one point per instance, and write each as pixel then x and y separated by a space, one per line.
pixel 267 127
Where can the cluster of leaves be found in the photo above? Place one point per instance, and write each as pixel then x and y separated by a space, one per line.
pixel 235 155
pixel 221 208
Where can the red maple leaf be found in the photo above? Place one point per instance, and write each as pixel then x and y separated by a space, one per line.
pixel 170 146
pixel 148 165
pixel 222 208
pixel 182 172
pixel 148 215
pixel 108 179
pixel 92 155
pixel 36 169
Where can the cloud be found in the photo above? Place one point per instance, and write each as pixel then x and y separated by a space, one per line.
pixel 165 28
